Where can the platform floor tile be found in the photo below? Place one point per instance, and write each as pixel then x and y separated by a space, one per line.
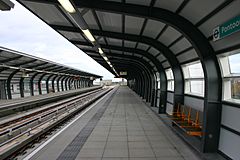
pixel 129 130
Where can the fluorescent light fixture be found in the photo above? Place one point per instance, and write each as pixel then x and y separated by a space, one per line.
pixel 108 62
pixel 88 35
pixel 67 5
pixel 106 59
pixel 11 67
pixel 27 69
pixel 100 50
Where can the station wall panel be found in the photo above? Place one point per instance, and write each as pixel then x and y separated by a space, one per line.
pixel 193 102
pixel 229 144
pixel 169 108
pixel 170 97
pixel 230 117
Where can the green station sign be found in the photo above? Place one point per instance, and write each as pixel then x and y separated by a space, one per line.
pixel 227 28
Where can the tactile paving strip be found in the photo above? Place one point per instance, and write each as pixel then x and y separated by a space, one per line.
pixel 72 150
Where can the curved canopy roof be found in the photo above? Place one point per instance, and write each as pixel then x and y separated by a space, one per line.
pixel 164 33
pixel 12 60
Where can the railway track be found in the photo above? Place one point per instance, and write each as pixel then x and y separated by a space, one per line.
pixel 19 132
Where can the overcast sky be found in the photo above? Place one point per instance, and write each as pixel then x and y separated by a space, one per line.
pixel 22 31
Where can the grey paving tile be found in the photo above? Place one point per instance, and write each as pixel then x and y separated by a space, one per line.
pixel 118 128
pixel 172 158
pixel 145 158
pixel 141 152
pixel 118 133
pixel 96 134
pixel 160 144
pixel 134 125
pixel 139 145
pixel 91 152
pixel 116 153
pixel 136 133
pixel 88 158
pixel 112 158
pixel 100 132
pixel 153 133
pixel 156 138
pixel 98 138
pixel 94 144
pixel 166 152
pixel 137 138
pixel 118 138
pixel 101 128
pixel 116 145
pixel 131 128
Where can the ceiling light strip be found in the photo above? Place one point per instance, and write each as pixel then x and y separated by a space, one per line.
pixel 80 22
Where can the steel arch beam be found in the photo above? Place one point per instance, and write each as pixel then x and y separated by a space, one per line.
pixel 63 81
pixel 31 83
pixel 145 77
pixel 156 62
pixel 203 48
pixel 9 93
pixel 21 87
pixel 70 83
pixel 135 73
pixel 53 83
pixel 40 84
pixel 151 82
pixel 144 66
pixel 47 82
pixel 178 75
pixel 140 52
pixel 58 85
pixel 66 83
pixel 148 56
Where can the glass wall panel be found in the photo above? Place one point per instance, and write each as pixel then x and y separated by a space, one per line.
pixel 194 78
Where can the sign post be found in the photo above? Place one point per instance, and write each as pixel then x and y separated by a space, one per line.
pixel 123 73
pixel 227 28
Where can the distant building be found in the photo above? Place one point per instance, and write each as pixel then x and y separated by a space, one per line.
pixel 107 82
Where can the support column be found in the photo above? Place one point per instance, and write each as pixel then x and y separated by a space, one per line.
pixel 66 83
pixel 81 84
pixel 70 83
pixel 9 83
pixel 58 88
pixel 163 93
pixel 75 85
pixel 31 83
pixel 21 86
pixel 53 83
pixel 47 82
pixel 62 84
pixel 40 84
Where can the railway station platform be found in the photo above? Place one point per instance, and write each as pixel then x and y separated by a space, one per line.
pixel 118 126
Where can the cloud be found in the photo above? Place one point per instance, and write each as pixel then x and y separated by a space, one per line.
pixel 22 31
pixel 234 63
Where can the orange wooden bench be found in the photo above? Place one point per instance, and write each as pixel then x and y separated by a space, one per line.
pixel 188 119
